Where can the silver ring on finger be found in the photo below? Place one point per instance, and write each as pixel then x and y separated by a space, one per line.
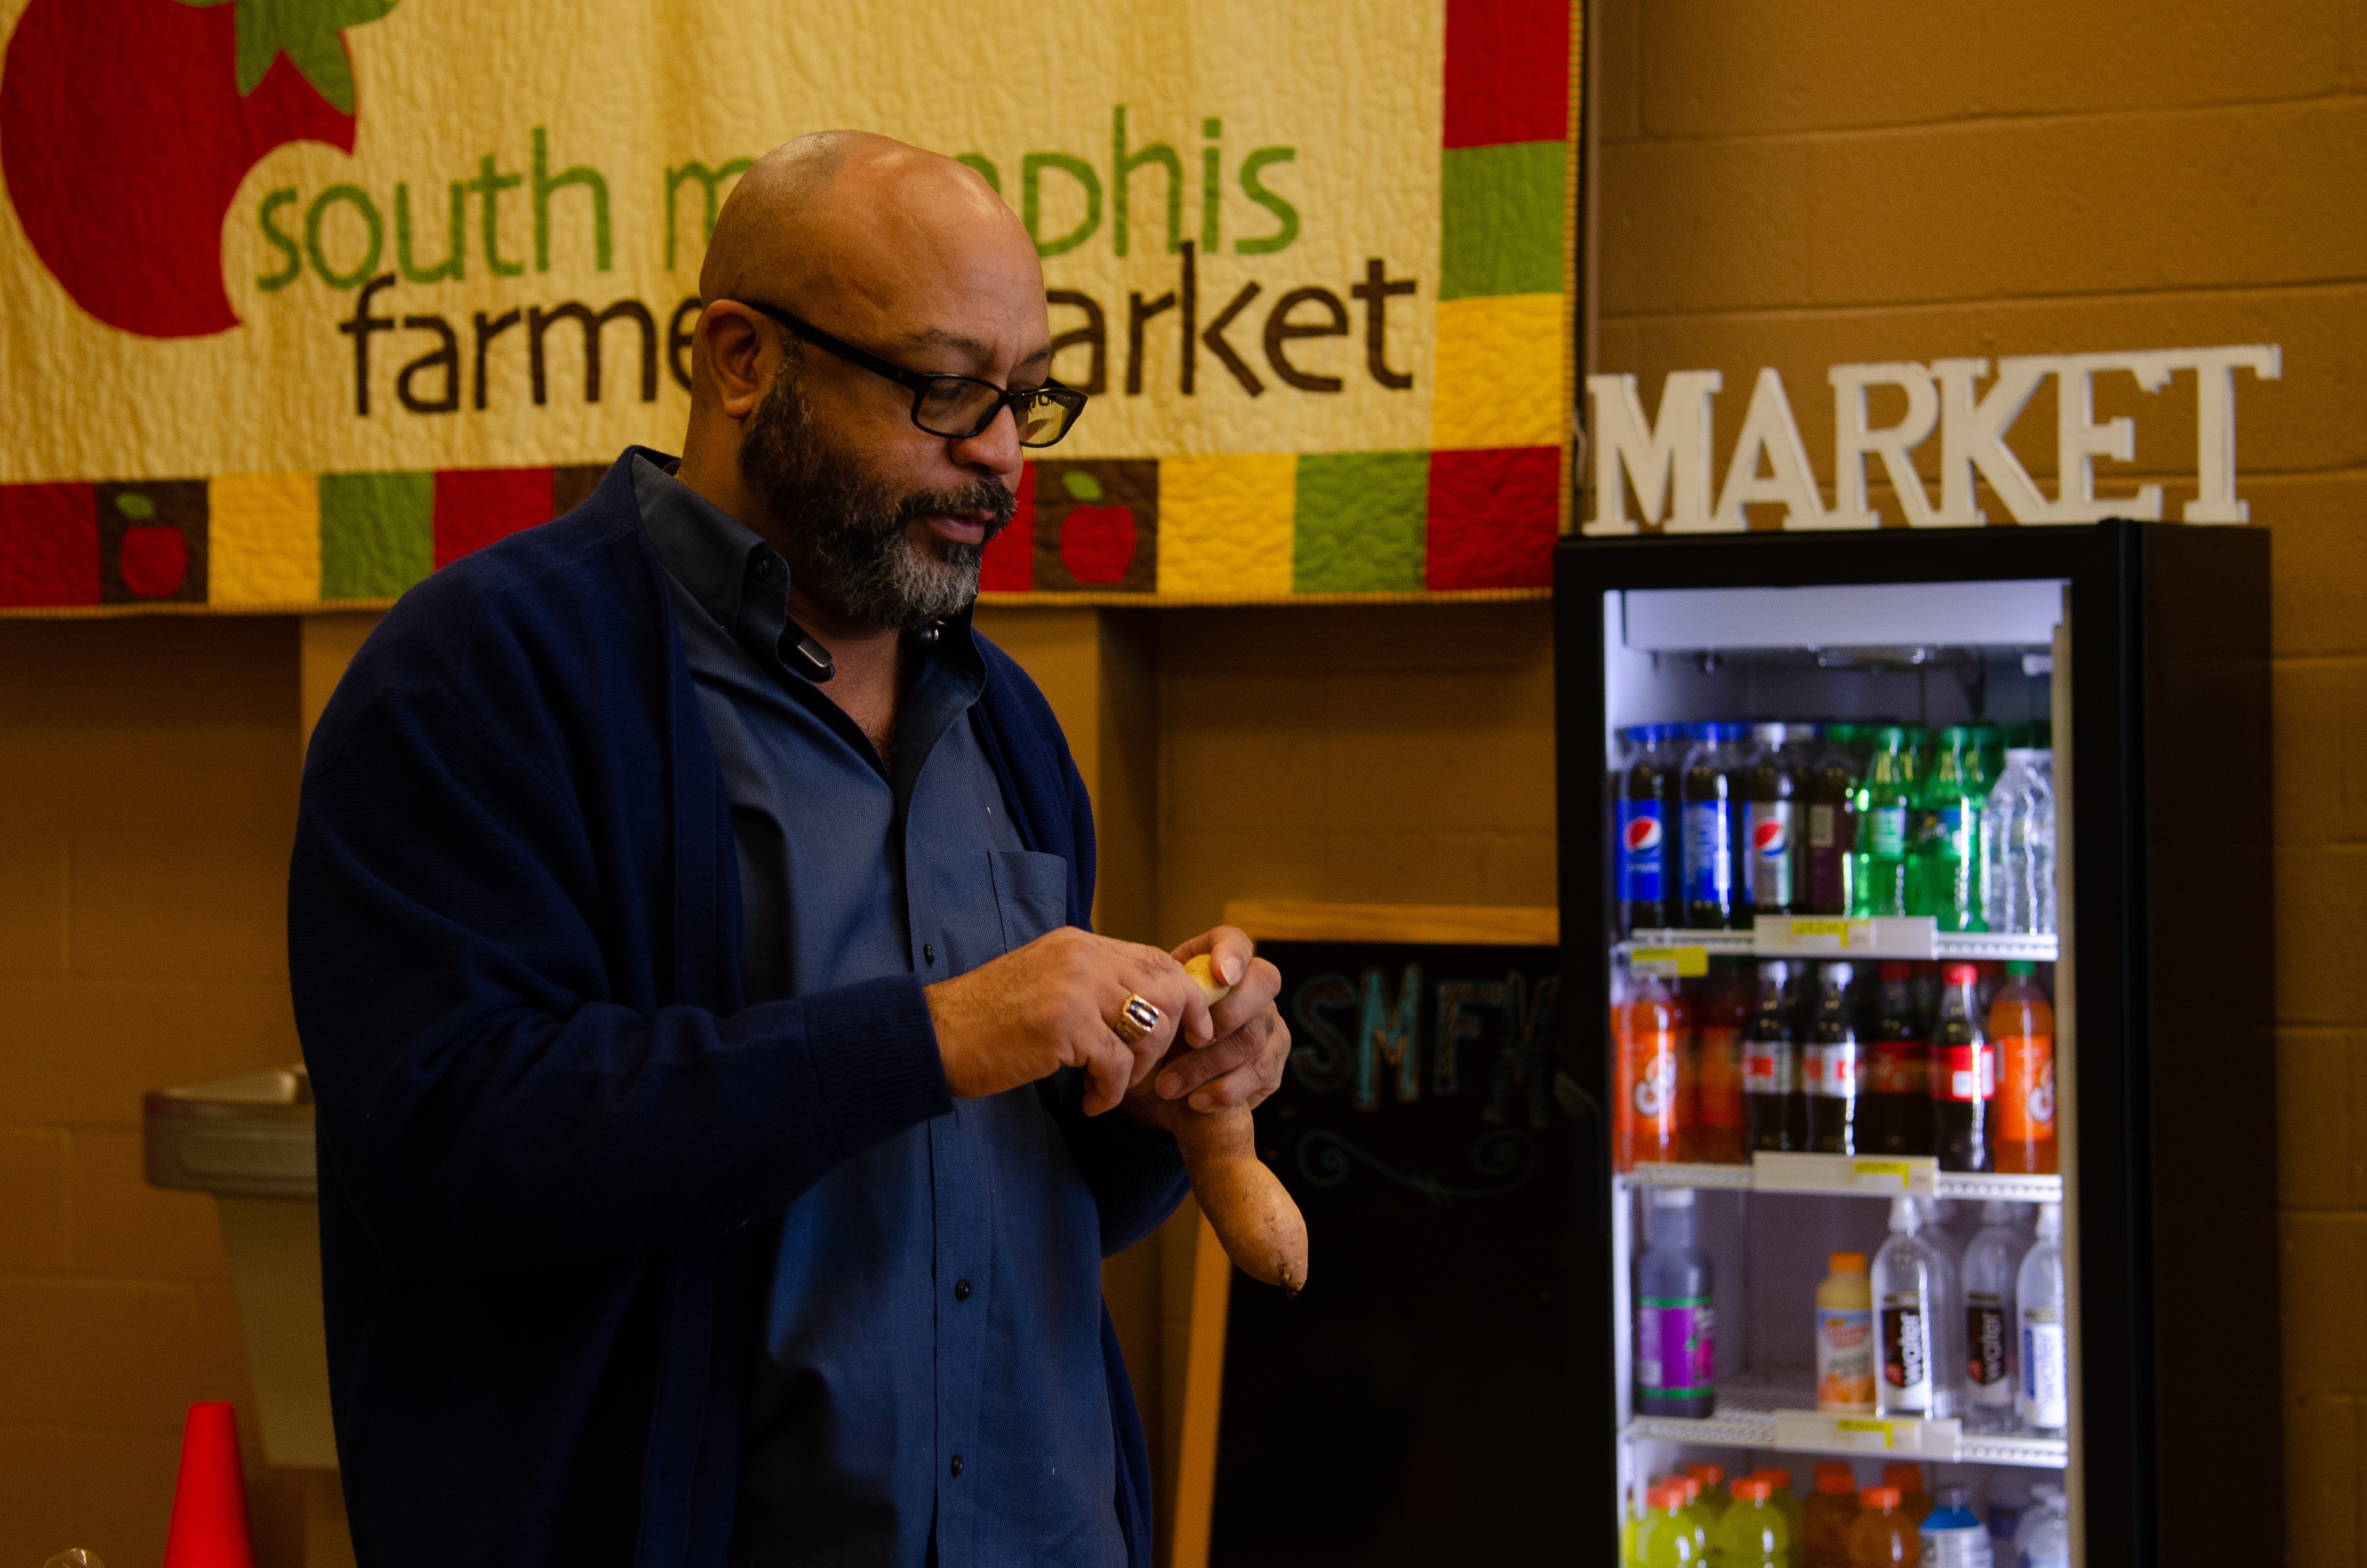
pixel 1138 1020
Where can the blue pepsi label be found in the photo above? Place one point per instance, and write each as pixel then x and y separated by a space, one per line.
pixel 1640 837
pixel 1709 853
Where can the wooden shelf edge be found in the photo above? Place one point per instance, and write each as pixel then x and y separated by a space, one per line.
pixel 1498 925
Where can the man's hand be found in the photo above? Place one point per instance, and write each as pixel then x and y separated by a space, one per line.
pixel 1243 1063
pixel 1048 1005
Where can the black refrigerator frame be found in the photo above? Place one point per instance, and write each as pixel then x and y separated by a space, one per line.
pixel 2180 1410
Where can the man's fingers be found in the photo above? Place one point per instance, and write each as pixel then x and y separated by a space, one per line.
pixel 1261 1043
pixel 1229 949
pixel 1161 979
pixel 1111 1068
pixel 1260 986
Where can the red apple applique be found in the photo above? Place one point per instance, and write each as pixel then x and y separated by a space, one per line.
pixel 1097 542
pixel 127 125
pixel 152 557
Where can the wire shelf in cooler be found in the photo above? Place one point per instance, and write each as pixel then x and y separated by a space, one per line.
pixel 1783 1417
pixel 1679 949
pixel 1847 1176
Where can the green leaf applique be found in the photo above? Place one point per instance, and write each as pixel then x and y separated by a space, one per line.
pixel 306 31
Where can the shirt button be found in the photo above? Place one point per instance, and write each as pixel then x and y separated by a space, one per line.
pixel 929 951
pixel 958 1464
pixel 961 1289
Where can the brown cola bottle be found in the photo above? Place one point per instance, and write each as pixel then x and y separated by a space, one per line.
pixel 1963 1073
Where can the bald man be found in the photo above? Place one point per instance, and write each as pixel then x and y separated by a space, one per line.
pixel 723 1107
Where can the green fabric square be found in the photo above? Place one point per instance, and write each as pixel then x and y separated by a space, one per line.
pixel 1500 220
pixel 378 534
pixel 1359 524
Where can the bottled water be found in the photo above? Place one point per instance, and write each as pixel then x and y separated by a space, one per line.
pixel 1991 1263
pixel 1913 1300
pixel 2044 1538
pixel 2045 1366
pixel 2018 846
pixel 1952 1535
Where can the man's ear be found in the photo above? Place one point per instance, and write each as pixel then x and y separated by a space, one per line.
pixel 736 356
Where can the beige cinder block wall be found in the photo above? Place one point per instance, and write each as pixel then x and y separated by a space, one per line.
pixel 1800 186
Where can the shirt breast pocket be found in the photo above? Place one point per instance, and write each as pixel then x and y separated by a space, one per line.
pixel 1030 893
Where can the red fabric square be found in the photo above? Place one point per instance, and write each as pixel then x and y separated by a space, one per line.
pixel 1009 566
pixel 1507 71
pixel 1493 516
pixel 476 506
pixel 49 544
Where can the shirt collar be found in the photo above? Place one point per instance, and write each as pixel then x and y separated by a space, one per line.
pixel 740 581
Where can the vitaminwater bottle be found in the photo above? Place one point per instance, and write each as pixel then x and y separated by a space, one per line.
pixel 1895 1117
pixel 1832 1069
pixel 1944 869
pixel 1914 1502
pixel 1963 1074
pixel 1881 1537
pixel 1952 1535
pixel 1721 1008
pixel 1829 833
pixel 1777 1111
pixel 1676 1345
pixel 1769 846
pixel 1826 1518
pixel 2021 1031
pixel 1664 1536
pixel 2045 1354
pixel 1845 1372
pixel 1992 1262
pixel 1906 1283
pixel 1648 810
pixel 1646 1120
pixel 1708 791
pixel 1754 1533
pixel 1787 1502
pixel 1880 864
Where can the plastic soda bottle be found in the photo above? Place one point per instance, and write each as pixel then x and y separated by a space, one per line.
pixel 1906 1287
pixel 1713 1499
pixel 1880 859
pixel 1826 1518
pixel 1787 1502
pixel 1952 1536
pixel 1695 1514
pixel 1832 1067
pixel 1708 791
pixel 1754 1533
pixel 2046 1400
pixel 1777 1111
pixel 1770 793
pixel 1845 1336
pixel 1881 1537
pixel 1991 1264
pixel 1648 789
pixel 1943 871
pixel 1914 1502
pixel 1664 1536
pixel 1829 829
pixel 1676 1347
pixel 2022 1028
pixel 1721 1008
pixel 1646 1120
pixel 1895 1115
pixel 1963 1073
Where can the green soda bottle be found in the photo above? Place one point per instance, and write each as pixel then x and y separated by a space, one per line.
pixel 1884 805
pixel 1665 1536
pixel 1754 1533
pixel 1943 864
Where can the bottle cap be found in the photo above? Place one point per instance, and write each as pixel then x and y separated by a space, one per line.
pixel 1665 1497
pixel 1833 1477
pixel 1961 974
pixel 1896 970
pixel 1953 1496
pixel 1846 1262
pixel 2021 968
pixel 1775 1476
pixel 1905 1477
pixel 1903 1218
pixel 1839 974
pixel 1753 1489
pixel 1708 1475
pixel 1882 1498
pixel 1693 1487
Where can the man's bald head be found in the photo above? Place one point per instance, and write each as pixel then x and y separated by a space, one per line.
pixel 849 218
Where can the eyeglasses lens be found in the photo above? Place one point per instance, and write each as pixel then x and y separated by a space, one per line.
pixel 955 406
pixel 1041 421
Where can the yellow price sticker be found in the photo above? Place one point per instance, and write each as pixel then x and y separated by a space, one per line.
pixel 1886 1430
pixel 1821 927
pixel 1882 1172
pixel 1669 963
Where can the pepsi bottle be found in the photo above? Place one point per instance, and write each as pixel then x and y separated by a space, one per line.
pixel 1648 790
pixel 1707 790
pixel 1770 862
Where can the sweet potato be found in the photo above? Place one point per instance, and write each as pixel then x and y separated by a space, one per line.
pixel 1262 1229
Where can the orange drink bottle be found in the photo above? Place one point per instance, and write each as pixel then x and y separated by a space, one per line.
pixel 2021 1024
pixel 1881 1537
pixel 1645 1124
pixel 1826 1518
pixel 1721 1006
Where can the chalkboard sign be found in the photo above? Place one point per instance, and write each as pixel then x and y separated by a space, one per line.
pixel 1415 1404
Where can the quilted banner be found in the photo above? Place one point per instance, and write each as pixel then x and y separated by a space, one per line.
pixel 302 300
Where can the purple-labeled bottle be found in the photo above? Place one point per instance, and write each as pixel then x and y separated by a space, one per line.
pixel 1676 1343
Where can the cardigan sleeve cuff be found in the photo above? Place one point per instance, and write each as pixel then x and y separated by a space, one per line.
pixel 875 1059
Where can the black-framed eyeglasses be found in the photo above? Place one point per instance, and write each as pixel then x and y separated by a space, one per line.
pixel 955 407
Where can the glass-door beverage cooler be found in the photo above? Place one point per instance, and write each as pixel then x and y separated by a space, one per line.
pixel 1917 965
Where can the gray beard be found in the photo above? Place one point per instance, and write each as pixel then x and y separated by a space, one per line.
pixel 853 530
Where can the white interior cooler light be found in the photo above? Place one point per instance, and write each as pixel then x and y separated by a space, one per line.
pixel 1882 615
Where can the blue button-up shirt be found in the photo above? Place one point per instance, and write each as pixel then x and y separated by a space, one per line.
pixel 931 1386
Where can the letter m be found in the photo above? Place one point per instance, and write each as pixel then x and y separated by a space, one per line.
pixel 1389 1034
pixel 1658 458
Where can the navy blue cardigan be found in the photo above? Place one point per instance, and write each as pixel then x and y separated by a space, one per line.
pixel 552 1136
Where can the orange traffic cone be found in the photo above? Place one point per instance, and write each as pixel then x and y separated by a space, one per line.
pixel 209 1504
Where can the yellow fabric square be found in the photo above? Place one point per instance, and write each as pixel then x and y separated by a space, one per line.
pixel 263 539
pixel 1499 373
pixel 1224 525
